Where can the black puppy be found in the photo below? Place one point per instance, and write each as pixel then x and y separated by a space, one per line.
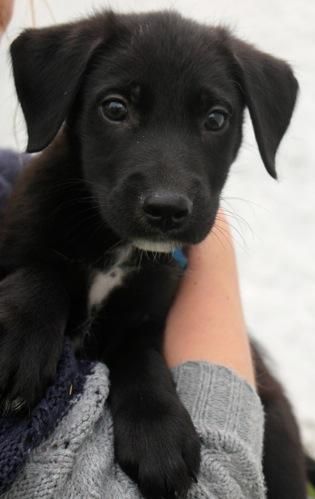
pixel 142 117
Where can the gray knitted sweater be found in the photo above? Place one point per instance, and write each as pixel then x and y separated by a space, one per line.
pixel 77 462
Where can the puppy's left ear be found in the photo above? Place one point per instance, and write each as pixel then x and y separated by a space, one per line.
pixel 269 89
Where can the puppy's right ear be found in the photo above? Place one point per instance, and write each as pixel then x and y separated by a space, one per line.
pixel 48 65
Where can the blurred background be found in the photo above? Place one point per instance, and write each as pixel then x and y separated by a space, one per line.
pixel 273 222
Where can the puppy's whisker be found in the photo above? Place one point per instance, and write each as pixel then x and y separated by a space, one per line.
pixel 241 221
pixel 240 240
pixel 227 199
pixel 217 233
pixel 115 245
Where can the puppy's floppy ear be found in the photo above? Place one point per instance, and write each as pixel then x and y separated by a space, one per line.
pixel 48 65
pixel 269 89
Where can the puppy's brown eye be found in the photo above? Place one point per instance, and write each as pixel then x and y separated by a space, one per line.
pixel 216 119
pixel 115 109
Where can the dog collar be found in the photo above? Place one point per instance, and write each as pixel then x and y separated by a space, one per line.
pixel 180 258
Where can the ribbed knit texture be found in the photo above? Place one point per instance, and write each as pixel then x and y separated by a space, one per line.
pixel 77 461
pixel 229 418
pixel 20 435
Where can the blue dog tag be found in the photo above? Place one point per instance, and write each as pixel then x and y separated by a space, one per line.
pixel 180 258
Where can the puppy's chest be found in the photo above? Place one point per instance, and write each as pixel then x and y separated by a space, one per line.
pixel 103 282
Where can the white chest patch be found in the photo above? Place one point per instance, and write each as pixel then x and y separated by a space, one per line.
pixel 103 283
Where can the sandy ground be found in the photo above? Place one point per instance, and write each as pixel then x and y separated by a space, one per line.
pixel 274 222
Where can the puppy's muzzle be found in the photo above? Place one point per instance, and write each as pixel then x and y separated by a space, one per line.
pixel 166 210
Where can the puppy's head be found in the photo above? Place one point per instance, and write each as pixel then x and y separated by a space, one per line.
pixel 154 104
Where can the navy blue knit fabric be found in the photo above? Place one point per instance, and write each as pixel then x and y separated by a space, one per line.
pixel 19 435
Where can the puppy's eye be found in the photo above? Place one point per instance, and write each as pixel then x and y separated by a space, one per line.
pixel 216 119
pixel 115 109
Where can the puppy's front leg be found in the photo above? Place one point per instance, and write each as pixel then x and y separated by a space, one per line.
pixel 155 441
pixel 34 309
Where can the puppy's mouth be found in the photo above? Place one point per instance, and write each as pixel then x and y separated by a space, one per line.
pixel 156 246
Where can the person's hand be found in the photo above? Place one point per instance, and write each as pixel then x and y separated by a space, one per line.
pixel 6 11
pixel 206 320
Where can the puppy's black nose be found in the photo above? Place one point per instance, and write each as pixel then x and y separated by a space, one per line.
pixel 167 210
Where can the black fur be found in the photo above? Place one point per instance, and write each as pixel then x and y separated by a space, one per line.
pixel 96 189
pixel 310 465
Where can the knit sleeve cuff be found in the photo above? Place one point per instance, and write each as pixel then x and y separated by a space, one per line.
pixel 222 403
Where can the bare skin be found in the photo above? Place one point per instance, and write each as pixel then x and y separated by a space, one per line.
pixel 206 322
pixel 6 11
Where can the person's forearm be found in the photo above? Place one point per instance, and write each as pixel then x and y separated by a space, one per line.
pixel 228 415
pixel 206 321
pixel 6 11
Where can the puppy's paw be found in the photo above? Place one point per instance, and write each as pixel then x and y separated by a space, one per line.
pixel 28 362
pixel 158 447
